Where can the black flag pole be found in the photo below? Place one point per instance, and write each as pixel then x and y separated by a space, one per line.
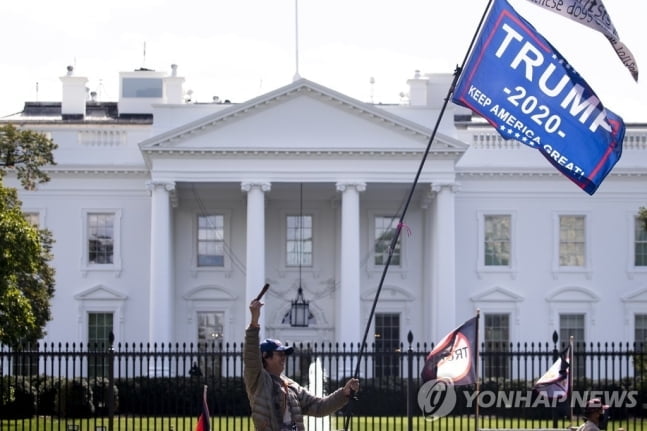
pixel 412 190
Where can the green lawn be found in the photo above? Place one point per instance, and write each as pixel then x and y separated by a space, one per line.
pixel 243 424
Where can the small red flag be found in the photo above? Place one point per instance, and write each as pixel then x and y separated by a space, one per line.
pixel 204 422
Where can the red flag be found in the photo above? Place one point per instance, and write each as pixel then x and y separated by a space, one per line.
pixel 204 422
pixel 454 358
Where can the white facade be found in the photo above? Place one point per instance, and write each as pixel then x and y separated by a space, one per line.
pixel 355 161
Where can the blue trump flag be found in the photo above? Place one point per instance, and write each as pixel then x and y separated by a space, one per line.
pixel 525 88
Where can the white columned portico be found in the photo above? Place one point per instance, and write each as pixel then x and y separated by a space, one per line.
pixel 347 298
pixel 160 329
pixel 444 243
pixel 255 256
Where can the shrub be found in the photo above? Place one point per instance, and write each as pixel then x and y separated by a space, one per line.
pixel 75 399
pixel 18 399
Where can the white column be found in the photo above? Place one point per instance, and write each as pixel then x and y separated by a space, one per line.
pixel 347 298
pixel 428 269
pixel 444 288
pixel 255 256
pixel 160 329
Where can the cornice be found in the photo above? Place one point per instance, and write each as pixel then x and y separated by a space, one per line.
pixel 292 153
pixel 98 171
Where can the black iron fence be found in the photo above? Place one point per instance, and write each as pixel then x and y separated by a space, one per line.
pixel 159 387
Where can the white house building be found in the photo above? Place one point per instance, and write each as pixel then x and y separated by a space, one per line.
pixel 170 216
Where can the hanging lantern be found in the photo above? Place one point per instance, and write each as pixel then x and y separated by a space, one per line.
pixel 300 310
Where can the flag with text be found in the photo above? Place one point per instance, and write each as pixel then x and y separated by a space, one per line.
pixel 454 357
pixel 593 14
pixel 524 88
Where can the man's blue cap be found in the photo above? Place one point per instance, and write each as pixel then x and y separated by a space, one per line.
pixel 271 345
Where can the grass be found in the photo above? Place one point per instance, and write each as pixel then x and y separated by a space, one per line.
pixel 243 423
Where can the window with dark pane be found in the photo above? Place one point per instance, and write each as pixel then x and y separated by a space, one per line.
pixel 572 324
pixel 497 345
pixel 101 228
pixel 387 344
pixel 100 326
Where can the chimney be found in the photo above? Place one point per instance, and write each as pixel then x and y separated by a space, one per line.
pixel 437 87
pixel 74 95
pixel 173 84
pixel 417 90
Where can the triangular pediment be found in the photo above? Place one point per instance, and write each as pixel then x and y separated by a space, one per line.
pixel 496 294
pixel 302 116
pixel 101 293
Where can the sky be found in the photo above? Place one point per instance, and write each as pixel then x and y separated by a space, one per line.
pixel 239 49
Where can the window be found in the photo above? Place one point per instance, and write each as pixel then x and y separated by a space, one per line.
pixel 497 239
pixel 497 343
pixel 211 240
pixel 210 334
pixel 572 240
pixel 640 244
pixel 25 362
pixel 100 238
pixel 142 87
pixel 99 330
pixel 640 330
pixel 573 325
pixel 640 344
pixel 32 218
pixel 387 342
pixel 385 229
pixel 299 241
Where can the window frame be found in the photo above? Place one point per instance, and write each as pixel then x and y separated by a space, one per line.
pixel 642 315
pixel 227 228
pixel 92 366
pixel 634 223
pixel 285 238
pixel 216 241
pixel 511 268
pixel 373 215
pixel 116 264
pixel 317 241
pixel 562 343
pixel 586 268
pixel 380 364
pixel 502 362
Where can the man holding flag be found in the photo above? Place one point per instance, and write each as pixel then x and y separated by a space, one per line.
pixel 278 403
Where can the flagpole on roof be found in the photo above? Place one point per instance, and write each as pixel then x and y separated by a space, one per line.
pixel 398 230
pixel 476 368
